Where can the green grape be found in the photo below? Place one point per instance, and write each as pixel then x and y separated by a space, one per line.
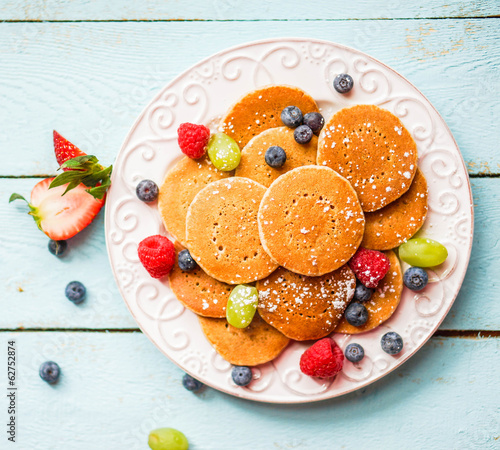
pixel 423 252
pixel 242 305
pixel 224 152
pixel 167 439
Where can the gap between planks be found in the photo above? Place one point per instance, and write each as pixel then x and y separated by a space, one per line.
pixel 494 16
pixel 464 334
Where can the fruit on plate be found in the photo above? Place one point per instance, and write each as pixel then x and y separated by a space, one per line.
pixel 343 83
pixel 362 293
pixel 167 439
pixel 303 134
pixel 157 255
pixel 354 352
pixel 356 314
pixel 224 152
pixel 315 121
pixel 58 213
pixel 193 139
pixel 147 191
pixel 423 252
pixel 292 116
pixel 275 156
pixel 415 278
pixel 391 343
pixel 80 168
pixel 369 266
pixel 241 375
pixel 242 305
pixel 323 359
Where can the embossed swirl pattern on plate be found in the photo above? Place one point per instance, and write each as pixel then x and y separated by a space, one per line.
pixel 199 96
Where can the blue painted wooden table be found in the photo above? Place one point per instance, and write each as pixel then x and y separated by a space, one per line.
pixel 87 68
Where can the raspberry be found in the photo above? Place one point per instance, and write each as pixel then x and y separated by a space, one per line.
pixel 369 266
pixel 157 255
pixel 324 359
pixel 193 139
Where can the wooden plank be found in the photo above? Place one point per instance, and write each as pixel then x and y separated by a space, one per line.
pixel 240 10
pixel 115 388
pixel 33 280
pixel 91 80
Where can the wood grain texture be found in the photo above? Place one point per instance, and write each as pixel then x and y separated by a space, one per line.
pixel 115 388
pixel 240 10
pixel 42 303
pixel 91 80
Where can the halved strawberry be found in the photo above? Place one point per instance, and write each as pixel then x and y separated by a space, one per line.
pixel 65 150
pixel 80 168
pixel 61 216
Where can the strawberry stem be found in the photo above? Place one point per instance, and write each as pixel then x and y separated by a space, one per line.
pixel 85 170
pixel 33 210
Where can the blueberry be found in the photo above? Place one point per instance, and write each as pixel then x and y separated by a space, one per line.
pixel 292 116
pixel 314 121
pixel 190 383
pixel 186 261
pixel 147 191
pixel 57 247
pixel 356 314
pixel 391 343
pixel 75 291
pixel 49 372
pixel 241 375
pixel 354 352
pixel 303 134
pixel 415 278
pixel 362 293
pixel 343 83
pixel 275 156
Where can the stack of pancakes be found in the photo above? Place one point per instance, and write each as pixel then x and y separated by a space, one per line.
pixel 292 230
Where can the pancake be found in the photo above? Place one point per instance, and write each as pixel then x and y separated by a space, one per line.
pixel 384 300
pixel 222 231
pixel 179 188
pixel 305 308
pixel 198 291
pixel 253 164
pixel 310 221
pixel 256 344
pixel 397 222
pixel 373 150
pixel 261 109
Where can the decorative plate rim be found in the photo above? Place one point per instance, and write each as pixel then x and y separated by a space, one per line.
pixel 242 393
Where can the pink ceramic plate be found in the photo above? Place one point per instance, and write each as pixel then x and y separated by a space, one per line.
pixel 201 95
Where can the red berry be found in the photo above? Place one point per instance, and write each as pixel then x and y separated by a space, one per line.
pixel 324 359
pixel 193 139
pixel 58 214
pixel 369 266
pixel 157 255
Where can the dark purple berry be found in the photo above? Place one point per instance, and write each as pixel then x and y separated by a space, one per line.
pixel 291 116
pixel 354 352
pixel 275 156
pixel 356 314
pixel 190 383
pixel 57 248
pixel 49 372
pixel 303 134
pixel 147 191
pixel 343 83
pixel 391 343
pixel 315 121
